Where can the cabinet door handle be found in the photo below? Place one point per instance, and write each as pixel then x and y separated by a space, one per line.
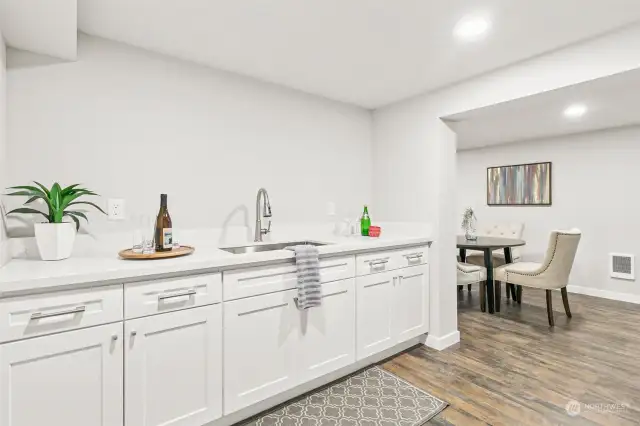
pixel 378 262
pixel 133 333
pixel 394 281
pixel 413 256
pixel 76 310
pixel 400 277
pixel 189 293
pixel 114 337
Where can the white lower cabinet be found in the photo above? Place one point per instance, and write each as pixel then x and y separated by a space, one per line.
pixel 260 340
pixel 72 379
pixel 410 313
pixel 392 307
pixel 375 294
pixel 327 339
pixel 271 346
pixel 173 368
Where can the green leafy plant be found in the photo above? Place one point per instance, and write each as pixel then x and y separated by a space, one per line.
pixel 59 201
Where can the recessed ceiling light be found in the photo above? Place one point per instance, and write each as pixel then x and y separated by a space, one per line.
pixel 575 111
pixel 471 28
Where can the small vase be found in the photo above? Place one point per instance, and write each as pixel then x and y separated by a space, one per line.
pixel 55 240
pixel 470 229
pixel 470 234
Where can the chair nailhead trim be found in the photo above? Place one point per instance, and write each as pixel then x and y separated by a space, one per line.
pixel 553 255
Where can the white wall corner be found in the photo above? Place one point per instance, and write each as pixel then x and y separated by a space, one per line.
pixel 440 343
pixel 605 294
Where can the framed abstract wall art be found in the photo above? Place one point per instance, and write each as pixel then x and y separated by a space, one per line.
pixel 519 185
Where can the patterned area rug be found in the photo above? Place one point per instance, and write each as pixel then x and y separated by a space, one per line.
pixel 372 397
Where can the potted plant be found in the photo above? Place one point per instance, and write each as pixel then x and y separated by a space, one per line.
pixel 469 224
pixel 55 237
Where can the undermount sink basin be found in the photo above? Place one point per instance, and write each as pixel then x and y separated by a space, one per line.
pixel 269 247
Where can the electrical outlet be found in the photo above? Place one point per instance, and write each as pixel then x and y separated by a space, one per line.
pixel 331 208
pixel 115 208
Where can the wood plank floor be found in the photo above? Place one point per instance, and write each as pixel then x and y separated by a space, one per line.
pixel 513 369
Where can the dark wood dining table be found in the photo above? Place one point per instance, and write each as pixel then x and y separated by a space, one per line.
pixel 487 245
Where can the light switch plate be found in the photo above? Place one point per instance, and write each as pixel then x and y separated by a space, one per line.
pixel 331 208
pixel 115 209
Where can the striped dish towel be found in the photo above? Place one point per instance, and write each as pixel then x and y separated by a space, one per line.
pixel 308 268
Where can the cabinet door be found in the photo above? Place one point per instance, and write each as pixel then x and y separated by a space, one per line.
pixel 411 301
pixel 260 344
pixel 173 368
pixel 328 332
pixel 375 295
pixel 71 379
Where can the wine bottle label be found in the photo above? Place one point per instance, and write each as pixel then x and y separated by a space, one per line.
pixel 167 238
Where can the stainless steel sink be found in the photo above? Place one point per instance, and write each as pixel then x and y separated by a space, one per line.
pixel 269 247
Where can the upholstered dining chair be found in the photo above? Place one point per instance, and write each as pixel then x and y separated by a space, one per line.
pixel 514 230
pixel 472 274
pixel 551 274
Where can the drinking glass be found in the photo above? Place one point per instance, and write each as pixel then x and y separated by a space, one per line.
pixel 148 235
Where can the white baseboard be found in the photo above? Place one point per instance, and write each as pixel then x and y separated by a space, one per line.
pixel 605 294
pixel 440 343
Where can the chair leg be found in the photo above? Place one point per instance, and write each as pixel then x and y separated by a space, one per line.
pixel 512 290
pixel 469 287
pixel 549 308
pixel 498 291
pixel 519 294
pixel 483 296
pixel 565 301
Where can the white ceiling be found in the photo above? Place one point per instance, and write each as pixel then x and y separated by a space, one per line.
pixel 366 52
pixel 611 101
pixel 48 27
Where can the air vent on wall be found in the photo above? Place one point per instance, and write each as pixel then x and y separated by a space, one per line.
pixel 622 266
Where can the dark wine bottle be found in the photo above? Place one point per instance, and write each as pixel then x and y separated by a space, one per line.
pixel 164 234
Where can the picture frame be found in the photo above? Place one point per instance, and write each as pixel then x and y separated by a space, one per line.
pixel 517 185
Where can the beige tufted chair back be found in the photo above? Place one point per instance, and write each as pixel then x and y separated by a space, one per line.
pixel 558 261
pixel 514 230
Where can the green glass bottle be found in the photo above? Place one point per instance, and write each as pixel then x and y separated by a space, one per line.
pixel 365 222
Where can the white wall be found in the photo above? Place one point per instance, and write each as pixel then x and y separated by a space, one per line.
pixel 132 124
pixel 414 153
pixel 4 250
pixel 593 181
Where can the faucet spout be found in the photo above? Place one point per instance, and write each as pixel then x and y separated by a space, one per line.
pixel 266 212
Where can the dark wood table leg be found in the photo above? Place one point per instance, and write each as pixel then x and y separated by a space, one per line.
pixel 488 261
pixel 463 257
pixel 508 258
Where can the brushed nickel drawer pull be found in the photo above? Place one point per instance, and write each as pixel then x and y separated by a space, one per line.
pixel 378 262
pixel 76 310
pixel 413 256
pixel 182 293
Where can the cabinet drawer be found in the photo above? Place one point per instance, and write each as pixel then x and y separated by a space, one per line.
pixel 413 256
pixel 171 294
pixel 268 279
pixel 30 316
pixel 373 263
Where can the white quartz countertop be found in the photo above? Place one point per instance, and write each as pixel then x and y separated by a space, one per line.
pixel 28 275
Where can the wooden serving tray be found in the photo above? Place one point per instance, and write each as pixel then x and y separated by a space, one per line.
pixel 176 252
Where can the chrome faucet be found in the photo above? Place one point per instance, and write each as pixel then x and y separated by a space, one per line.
pixel 266 212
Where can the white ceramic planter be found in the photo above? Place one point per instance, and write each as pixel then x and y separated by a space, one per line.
pixel 55 240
